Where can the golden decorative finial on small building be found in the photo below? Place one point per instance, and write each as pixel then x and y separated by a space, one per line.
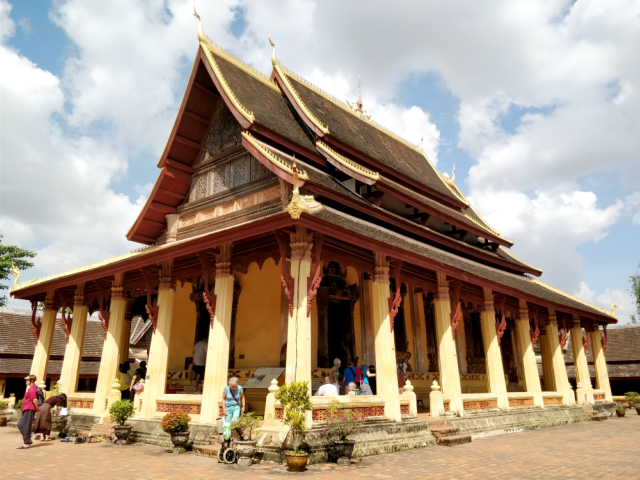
pixel 274 60
pixel 453 174
pixel 15 271
pixel 297 205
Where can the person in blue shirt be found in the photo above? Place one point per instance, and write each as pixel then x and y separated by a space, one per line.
pixel 232 400
pixel 349 374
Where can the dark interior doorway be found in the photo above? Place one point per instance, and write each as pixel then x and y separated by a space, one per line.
pixel 341 332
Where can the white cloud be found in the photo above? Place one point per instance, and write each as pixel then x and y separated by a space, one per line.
pixel 625 304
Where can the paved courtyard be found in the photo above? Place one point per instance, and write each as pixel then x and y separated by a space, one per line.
pixel 609 449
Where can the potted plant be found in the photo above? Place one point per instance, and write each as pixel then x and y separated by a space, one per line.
pixel 634 400
pixel 342 422
pixel 246 427
pixel 177 424
pixel 296 402
pixel 120 412
pixel 3 414
pixel 620 410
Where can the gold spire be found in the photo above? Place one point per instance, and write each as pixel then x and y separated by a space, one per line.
pixel 358 106
pixel 201 36
pixel 298 205
pixel 453 174
pixel 274 60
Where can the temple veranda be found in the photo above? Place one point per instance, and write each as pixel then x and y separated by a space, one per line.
pixel 290 229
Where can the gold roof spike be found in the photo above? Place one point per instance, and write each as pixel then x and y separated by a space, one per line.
pixel 274 60
pixel 358 106
pixel 201 36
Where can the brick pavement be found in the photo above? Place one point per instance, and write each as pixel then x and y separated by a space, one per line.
pixel 609 449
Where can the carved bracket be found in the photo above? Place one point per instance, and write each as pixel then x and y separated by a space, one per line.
pixel 35 326
pixel 208 297
pixel 534 333
pixel 152 309
pixel 606 339
pixel 314 284
pixel 285 278
pixel 563 337
pixel 104 314
pixel 397 300
pixel 501 326
pixel 586 340
pixel 457 315
pixel 66 319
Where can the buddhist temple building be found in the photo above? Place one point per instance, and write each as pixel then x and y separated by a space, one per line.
pixel 289 228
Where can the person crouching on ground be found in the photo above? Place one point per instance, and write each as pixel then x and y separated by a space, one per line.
pixel 232 400
pixel 351 388
pixel 329 389
pixel 43 419
pixel 29 409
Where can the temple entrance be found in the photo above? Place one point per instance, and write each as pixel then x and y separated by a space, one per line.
pixel 336 333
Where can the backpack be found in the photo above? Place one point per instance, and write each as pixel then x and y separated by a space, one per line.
pixel 40 396
pixel 359 379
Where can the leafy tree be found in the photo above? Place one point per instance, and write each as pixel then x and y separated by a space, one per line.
pixel 11 256
pixel 635 291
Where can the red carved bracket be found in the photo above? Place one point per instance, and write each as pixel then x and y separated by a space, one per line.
pixel 313 284
pixel 285 278
pixel 152 309
pixel 104 314
pixel 563 337
pixel 606 339
pixel 397 300
pixel 35 326
pixel 586 340
pixel 207 296
pixel 66 319
pixel 457 315
pixel 501 326
pixel 534 333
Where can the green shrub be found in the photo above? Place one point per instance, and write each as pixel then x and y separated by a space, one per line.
pixel 175 422
pixel 3 408
pixel 246 424
pixel 341 422
pixel 18 406
pixel 633 397
pixel 296 402
pixel 121 411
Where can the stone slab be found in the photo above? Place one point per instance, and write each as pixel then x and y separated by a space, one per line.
pixel 452 440
pixel 445 431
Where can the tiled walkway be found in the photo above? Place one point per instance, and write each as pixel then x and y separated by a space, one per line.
pixel 609 449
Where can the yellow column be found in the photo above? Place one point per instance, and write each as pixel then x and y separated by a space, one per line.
pixel 299 326
pixel 495 370
pixel 110 360
pixel 602 376
pixel 447 356
pixel 73 352
pixel 580 359
pixel 386 370
pixel 529 366
pixel 43 348
pixel 559 368
pixel 217 366
pixel 159 349
pixel 547 363
pixel 419 338
pixel 126 331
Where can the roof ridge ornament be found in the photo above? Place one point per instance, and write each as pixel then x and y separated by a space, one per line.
pixel 201 36
pixel 358 106
pixel 274 60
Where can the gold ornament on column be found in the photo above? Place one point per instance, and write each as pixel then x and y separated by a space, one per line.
pixel 298 205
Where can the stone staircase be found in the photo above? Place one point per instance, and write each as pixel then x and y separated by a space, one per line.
pixel 210 451
pixel 446 434
pixel 595 416
pixel 104 430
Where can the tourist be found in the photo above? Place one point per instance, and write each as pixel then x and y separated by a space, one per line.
pixel 365 386
pixel 334 373
pixel 43 418
pixel 401 378
pixel 371 378
pixel 29 409
pixel 141 374
pixel 232 400
pixel 349 374
pixel 200 359
pixel 351 389
pixel 125 384
pixel 328 389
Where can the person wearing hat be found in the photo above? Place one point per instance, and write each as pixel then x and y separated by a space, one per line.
pixel 29 409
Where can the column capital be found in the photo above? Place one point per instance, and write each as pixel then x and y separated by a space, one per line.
pixel 301 244
pixel 166 284
pixel 443 286
pixel 488 300
pixel 223 261
pixel 381 268
pixel 117 293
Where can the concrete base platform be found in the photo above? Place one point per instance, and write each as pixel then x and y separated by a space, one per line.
pixel 608 409
pixel 497 422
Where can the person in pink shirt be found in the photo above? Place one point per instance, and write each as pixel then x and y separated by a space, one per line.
pixel 29 410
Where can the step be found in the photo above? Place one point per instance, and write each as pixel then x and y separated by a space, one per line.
pixel 436 422
pixel 454 440
pixel 445 431
pixel 599 417
pixel 210 451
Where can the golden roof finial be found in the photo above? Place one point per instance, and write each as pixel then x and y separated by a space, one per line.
pixel 201 36
pixel 453 174
pixel 421 147
pixel 613 309
pixel 274 60
pixel 358 106
pixel 297 205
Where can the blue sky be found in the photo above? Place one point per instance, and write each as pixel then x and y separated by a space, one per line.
pixel 547 159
